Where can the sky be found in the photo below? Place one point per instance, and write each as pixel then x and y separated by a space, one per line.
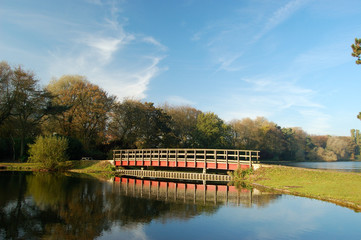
pixel 286 60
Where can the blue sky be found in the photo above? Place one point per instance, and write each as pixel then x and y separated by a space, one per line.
pixel 286 60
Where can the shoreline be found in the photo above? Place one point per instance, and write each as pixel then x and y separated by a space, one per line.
pixel 78 166
pixel 341 188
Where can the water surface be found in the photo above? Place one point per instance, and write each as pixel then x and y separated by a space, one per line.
pixel 349 166
pixel 46 206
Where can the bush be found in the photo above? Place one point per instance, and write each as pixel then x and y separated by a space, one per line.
pixel 240 174
pixel 50 151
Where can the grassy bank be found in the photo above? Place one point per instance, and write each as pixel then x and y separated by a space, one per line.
pixel 19 166
pixel 83 166
pixel 342 188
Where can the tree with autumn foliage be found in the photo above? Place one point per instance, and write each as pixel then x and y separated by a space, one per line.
pixel 88 108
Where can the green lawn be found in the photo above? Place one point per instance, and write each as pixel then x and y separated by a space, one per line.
pixel 343 188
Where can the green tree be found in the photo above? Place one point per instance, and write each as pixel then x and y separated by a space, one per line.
pixel 140 125
pixel 184 124
pixel 212 132
pixel 50 151
pixel 356 50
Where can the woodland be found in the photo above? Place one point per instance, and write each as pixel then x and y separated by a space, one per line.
pixel 95 123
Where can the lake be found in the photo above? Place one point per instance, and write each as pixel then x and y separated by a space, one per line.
pixel 349 166
pixel 67 206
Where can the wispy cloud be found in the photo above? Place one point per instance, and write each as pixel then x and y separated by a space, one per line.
pixel 106 46
pixel 98 47
pixel 102 57
pixel 277 98
pixel 229 40
pixel 154 42
pixel 279 16
pixel 178 100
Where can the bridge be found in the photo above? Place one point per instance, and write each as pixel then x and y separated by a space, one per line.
pixel 220 159
pixel 175 175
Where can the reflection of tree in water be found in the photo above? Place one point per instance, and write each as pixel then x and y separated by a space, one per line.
pixel 259 198
pixel 19 217
pixel 79 204
pixel 135 210
pixel 49 206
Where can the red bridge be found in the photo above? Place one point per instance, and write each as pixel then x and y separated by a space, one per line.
pixel 222 159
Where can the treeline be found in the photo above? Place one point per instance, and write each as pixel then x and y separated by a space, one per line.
pixel 95 123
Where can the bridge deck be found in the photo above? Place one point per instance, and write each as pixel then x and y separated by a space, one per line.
pixel 175 175
pixel 223 159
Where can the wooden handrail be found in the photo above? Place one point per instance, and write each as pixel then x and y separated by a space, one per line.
pixel 185 154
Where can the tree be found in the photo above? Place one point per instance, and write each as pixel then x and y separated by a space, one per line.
pixel 212 132
pixel 6 91
pixel 25 104
pixel 140 125
pixel 49 151
pixel 88 108
pixel 356 50
pixel 185 124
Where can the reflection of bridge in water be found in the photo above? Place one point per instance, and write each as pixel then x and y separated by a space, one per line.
pixel 195 193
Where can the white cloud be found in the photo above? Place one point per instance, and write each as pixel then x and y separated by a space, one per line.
pixel 229 40
pixel 107 46
pixel 322 57
pixel 96 46
pixel 103 57
pixel 178 100
pixel 278 99
pixel 151 40
pixel 279 16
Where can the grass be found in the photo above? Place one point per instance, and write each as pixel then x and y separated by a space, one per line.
pixel 20 166
pixel 82 166
pixel 342 188
pixel 91 166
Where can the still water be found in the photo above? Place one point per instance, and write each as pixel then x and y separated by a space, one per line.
pixel 46 206
pixel 351 166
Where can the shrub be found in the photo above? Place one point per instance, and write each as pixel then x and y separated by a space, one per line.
pixel 50 151
pixel 240 174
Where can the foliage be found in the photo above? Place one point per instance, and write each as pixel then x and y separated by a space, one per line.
pixel 50 151
pixel 140 125
pixel 87 109
pixel 212 132
pixel 184 124
pixel 356 50
pixel 75 149
pixel 240 174
pixel 7 95
pixel 95 123
pixel 23 104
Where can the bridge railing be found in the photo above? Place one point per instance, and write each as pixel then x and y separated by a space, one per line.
pixel 227 156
